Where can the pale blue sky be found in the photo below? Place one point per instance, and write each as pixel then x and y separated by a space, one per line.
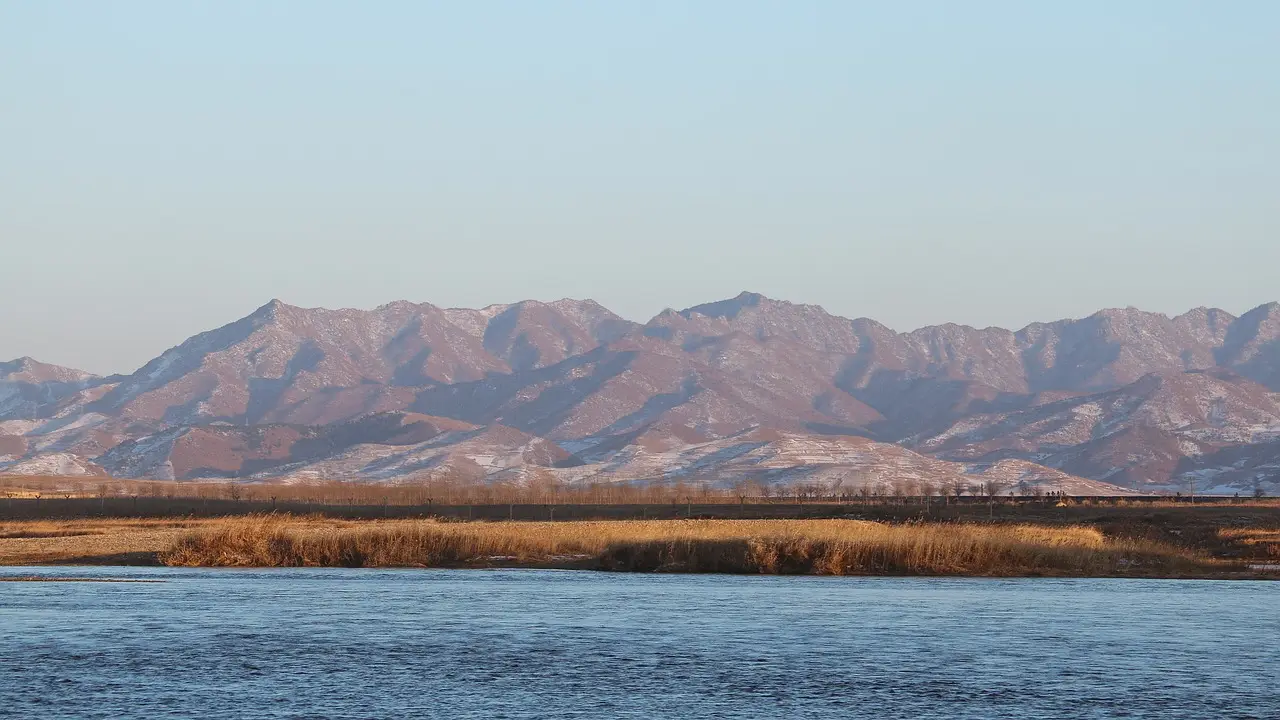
pixel 166 167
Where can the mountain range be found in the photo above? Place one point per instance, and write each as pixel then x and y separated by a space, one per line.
pixel 748 388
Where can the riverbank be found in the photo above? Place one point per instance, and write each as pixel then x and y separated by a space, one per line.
pixel 829 547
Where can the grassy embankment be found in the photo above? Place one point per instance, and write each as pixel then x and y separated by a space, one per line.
pixel 835 547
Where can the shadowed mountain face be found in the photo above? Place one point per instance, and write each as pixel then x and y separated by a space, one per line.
pixel 1127 397
pixel 30 389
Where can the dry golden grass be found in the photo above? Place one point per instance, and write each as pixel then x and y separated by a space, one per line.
pixel 735 546
pixel 835 547
pixel 1264 540
pixel 33 542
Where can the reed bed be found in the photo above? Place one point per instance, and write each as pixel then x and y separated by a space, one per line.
pixel 1264 541
pixel 829 547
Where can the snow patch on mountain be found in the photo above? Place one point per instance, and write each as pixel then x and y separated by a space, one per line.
pixel 57 464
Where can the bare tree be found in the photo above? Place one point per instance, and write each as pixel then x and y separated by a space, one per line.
pixel 796 490
pixel 913 491
pixel 835 486
pixel 766 490
pixel 993 488
pixel 928 490
pixel 899 489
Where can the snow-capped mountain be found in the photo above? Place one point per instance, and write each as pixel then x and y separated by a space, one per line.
pixel 743 388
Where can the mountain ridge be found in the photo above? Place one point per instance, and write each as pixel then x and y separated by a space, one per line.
pixel 574 374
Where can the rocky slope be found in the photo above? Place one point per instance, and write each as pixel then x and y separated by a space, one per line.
pixel 744 388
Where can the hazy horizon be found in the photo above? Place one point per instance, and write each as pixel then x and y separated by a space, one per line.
pixel 169 168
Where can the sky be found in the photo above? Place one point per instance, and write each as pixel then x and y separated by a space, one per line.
pixel 166 167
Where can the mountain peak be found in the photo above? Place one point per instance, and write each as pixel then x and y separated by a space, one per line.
pixel 576 303
pixel 727 309
pixel 1124 312
pixel 15 366
pixel 400 305
pixel 28 369
pixel 1270 309
pixel 270 310
pixel 1205 312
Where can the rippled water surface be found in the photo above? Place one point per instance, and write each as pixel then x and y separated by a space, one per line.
pixel 524 644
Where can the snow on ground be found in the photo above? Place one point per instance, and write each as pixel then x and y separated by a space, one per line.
pixel 52 464
pixel 19 427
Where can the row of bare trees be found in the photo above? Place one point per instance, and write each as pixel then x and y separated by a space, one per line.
pixel 540 486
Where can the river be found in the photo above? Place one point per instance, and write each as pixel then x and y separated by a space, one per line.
pixel 325 643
